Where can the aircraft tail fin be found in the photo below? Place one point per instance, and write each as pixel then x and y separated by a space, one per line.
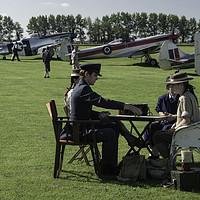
pixel 65 50
pixel 197 53
pixel 169 53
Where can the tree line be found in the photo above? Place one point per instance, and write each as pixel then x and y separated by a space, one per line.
pixel 10 30
pixel 118 25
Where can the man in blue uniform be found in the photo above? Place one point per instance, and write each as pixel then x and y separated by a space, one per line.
pixel 166 106
pixel 83 98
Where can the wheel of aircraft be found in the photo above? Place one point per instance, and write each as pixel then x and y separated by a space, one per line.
pixel 4 58
pixel 153 62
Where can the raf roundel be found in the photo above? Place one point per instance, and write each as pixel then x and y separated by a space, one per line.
pixel 107 50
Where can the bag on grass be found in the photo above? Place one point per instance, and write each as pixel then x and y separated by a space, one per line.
pixel 133 167
pixel 159 168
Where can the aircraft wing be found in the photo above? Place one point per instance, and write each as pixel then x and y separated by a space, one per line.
pixel 142 51
pixel 44 47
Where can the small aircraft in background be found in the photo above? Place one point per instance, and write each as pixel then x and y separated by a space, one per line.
pixel 171 57
pixel 134 49
pixel 33 45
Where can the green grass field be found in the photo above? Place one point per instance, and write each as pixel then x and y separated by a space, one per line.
pixel 27 141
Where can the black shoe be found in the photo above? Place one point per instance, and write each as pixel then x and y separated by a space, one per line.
pixel 44 76
pixel 109 170
pixel 48 77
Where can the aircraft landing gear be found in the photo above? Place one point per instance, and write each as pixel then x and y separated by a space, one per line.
pixel 4 57
pixel 150 61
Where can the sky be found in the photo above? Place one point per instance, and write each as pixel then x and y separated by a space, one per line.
pixel 22 10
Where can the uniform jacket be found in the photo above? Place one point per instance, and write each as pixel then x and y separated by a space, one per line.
pixel 83 98
pixel 46 57
pixel 166 105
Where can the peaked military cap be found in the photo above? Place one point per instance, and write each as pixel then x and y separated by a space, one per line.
pixel 93 67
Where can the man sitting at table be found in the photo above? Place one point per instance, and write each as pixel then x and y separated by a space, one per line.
pixel 83 98
pixel 166 106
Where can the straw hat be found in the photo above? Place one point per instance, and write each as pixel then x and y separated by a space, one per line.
pixel 179 77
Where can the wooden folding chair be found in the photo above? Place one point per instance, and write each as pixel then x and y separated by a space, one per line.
pixel 58 123
pixel 83 149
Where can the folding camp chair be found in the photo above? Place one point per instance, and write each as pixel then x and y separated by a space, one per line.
pixel 185 138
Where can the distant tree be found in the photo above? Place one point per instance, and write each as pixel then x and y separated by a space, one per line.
pixel 64 24
pixel 89 28
pixel 33 26
pixel 1 28
pixel 162 23
pixel 52 24
pixel 18 30
pixel 43 25
pixel 71 23
pixel 183 29
pixel 127 26
pixel 173 22
pixel 96 31
pixel 58 24
pixel 106 29
pixel 143 25
pixel 192 28
pixel 81 24
pixel 116 25
pixel 136 19
pixel 153 24
pixel 8 27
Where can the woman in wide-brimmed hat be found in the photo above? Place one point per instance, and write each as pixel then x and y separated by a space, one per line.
pixel 187 112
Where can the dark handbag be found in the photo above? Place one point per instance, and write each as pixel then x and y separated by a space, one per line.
pixel 143 107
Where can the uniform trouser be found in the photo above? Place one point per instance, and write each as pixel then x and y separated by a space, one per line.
pixel 108 134
pixel 162 141
pixel 47 67
pixel 13 56
pixel 148 134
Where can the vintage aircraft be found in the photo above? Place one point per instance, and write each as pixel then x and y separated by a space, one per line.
pixel 134 49
pixel 33 45
pixel 171 57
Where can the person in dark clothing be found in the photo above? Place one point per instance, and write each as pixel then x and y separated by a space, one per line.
pixel 15 50
pixel 46 57
pixel 83 98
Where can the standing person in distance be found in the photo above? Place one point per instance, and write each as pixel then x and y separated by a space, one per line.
pixel 74 58
pixel 46 57
pixel 15 50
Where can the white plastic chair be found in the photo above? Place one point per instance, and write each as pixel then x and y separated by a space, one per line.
pixel 185 138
